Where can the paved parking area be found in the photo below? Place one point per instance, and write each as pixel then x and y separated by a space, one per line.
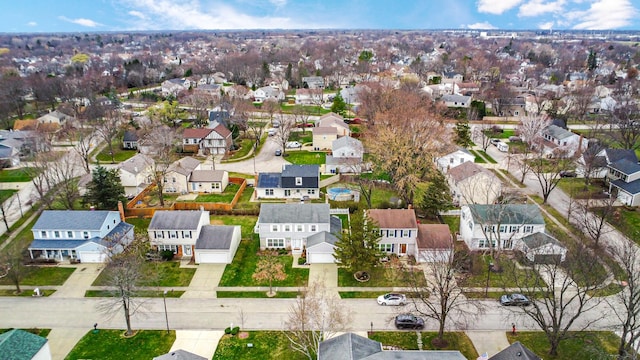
pixel 203 343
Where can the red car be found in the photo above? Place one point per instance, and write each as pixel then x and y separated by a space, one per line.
pixel 304 125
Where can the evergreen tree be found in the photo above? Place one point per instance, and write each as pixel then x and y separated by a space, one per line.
pixel 357 250
pixel 434 196
pixel 105 189
pixel 592 60
pixel 463 134
pixel 339 105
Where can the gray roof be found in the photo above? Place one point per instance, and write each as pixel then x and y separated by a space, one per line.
pixel 176 219
pixel 136 164
pixel 215 237
pixel 185 165
pixel 294 213
pixel 507 214
pixel 515 351
pixel 300 171
pixel 207 175
pixel 269 180
pixel 321 237
pixel 539 239
pixel 456 98
pixel 328 130
pixel 18 344
pixel 632 188
pixel 346 141
pixel 335 225
pixel 130 135
pixel 179 355
pixel 557 132
pixel 618 154
pixel 71 219
pixel 625 166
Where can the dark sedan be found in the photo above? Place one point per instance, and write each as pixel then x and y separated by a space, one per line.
pixel 408 321
pixel 514 300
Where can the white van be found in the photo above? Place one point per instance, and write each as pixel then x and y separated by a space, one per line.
pixel 502 146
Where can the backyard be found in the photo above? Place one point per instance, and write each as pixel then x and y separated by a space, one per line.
pixel 225 197
pixel 306 157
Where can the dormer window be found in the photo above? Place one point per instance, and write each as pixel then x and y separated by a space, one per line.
pixel 298 181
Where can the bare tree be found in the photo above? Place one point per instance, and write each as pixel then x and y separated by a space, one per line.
pixel 42 179
pixel 480 135
pixel 5 206
pixel 283 132
pixel 64 173
pixel 623 118
pixel 315 316
pixel 547 170
pixel 108 127
pixel 84 147
pixel 12 265
pixel 269 268
pixel 530 127
pixel 159 142
pixel 590 215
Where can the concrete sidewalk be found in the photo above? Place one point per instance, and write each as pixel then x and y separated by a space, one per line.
pixel 490 342
pixel 79 281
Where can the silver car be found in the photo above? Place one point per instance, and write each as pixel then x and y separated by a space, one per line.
pixel 392 299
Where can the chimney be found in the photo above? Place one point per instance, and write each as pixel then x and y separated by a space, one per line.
pixel 121 210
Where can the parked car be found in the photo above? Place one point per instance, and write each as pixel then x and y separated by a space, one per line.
pixel 293 145
pixel 408 321
pixel 514 300
pixel 271 132
pixel 392 299
pixel 276 124
pixel 502 146
pixel 278 152
pixel 495 141
pixel 304 125
pixel 567 174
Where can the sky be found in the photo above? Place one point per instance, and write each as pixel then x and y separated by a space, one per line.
pixel 28 16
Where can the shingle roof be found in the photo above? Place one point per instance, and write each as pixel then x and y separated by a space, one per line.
pixel 434 236
pixel 615 155
pixel 18 344
pixel 71 219
pixel 176 219
pixel 184 166
pixel 625 166
pixel 515 351
pixel 207 175
pixel 538 239
pixel 394 218
pixel 467 170
pixel 294 213
pixel 558 132
pixel 632 188
pixel 179 355
pixel 346 141
pixel 215 237
pixel 300 171
pixel 136 164
pixel 507 214
pixel 56 244
pixel 222 130
pixel 329 130
pixel 130 135
pixel 196 133
pixel 321 237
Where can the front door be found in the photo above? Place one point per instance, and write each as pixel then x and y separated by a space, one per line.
pixel 296 245
pixel 186 250
pixel 403 249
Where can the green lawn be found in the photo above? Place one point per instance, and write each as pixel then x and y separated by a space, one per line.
pixel 576 187
pixel 360 294
pixel 140 224
pixel 257 294
pixel 301 137
pixel 408 340
pixel 158 273
pixel 143 293
pixel 239 273
pixel 14 175
pixel 627 221
pixel 308 109
pixel 43 275
pixel 5 292
pixel 503 135
pixel 111 344
pixel 306 157
pixel 381 276
pixel 405 340
pixel 39 332
pixel 245 145
pixel 478 159
pixel 380 197
pixel 509 276
pixel 246 222
pixel 226 196
pixel 119 154
pixel 585 345
pixel 5 194
pixel 487 156
pixel 266 345
pixel 453 222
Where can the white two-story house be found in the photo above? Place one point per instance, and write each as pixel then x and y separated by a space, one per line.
pixel 398 230
pixel 87 236
pixel 177 176
pixel 136 173
pixel 624 178
pixel 346 156
pixel 294 182
pixel 454 158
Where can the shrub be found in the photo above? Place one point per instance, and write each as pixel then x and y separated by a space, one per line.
pixel 227 330
pixel 282 251
pixel 235 330
pixel 301 261
pixel 166 255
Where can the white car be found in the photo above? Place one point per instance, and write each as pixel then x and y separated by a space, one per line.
pixel 271 132
pixel 392 299
pixel 293 145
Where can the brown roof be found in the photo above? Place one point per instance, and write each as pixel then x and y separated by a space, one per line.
pixel 28 124
pixel 207 175
pixel 325 130
pixel 185 165
pixel 222 130
pixel 199 133
pixel 467 170
pixel 434 236
pixel 394 218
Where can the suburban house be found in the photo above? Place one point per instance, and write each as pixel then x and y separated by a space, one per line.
pixel 176 178
pixel 350 346
pixel 313 82
pixel 454 158
pixel 323 137
pixel 624 178
pixel 175 86
pixel 515 351
pixel 599 159
pixel 136 173
pixel 309 96
pixel 562 139
pixel 55 117
pixel 472 184
pixel 208 181
pixel 483 226
pixel 294 182
pixel 215 140
pixel 456 101
pixel 435 243
pixel 189 234
pixel 9 156
pixel 179 355
pixel 15 144
pixel 267 93
pixel 336 121
pixel 85 235
pixel 398 230
pixel 130 140
pixel 542 248
pixel 296 226
pixel 22 345
pixel 346 156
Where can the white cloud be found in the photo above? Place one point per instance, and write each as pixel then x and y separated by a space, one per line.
pixel 546 25
pixel 481 26
pixel 604 14
pixel 278 2
pixel 81 21
pixel 496 6
pixel 539 7
pixel 192 14
pixel 32 23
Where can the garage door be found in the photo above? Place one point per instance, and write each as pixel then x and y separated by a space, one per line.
pixel 320 258
pixel 211 258
pixel 91 257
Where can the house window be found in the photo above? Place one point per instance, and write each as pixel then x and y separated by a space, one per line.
pixel 275 243
pixel 173 234
pixel 43 234
pixel 489 228
pixel 528 228
pixel 451 160
pixel 85 234
pixel 514 229
pixel 158 234
pixel 186 234
pixel 287 228
pixel 56 234
pixel 503 228
pixel 386 247
pixel 287 192
pixel 313 228
pixel 275 228
pixel 298 181
pixel 173 248
pixel 507 244
pixel 406 233
pixel 299 228
pixel 268 192
pixel 311 191
pixel 70 234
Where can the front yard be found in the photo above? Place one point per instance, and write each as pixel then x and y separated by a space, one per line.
pixel 383 276
pixel 119 154
pixel 158 273
pixel 627 221
pixel 111 344
pixel 576 187
pixel 408 340
pixel 43 275
pixel 583 345
pixel 509 275
pixel 14 175
pixel 266 345
pixel 239 273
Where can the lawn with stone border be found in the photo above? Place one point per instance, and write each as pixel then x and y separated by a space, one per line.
pixel 158 273
pixel 43 275
pixel 240 271
pixel 583 345
pixel 112 345
pixel 408 340
pixel 265 345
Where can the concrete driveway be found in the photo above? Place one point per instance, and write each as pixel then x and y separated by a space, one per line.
pixel 203 343
pixel 79 281
pixel 205 281
pixel 63 340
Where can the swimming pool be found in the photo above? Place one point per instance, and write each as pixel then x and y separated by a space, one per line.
pixel 339 193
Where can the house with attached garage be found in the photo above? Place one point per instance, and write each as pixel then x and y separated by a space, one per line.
pixel 454 158
pixel 542 248
pixel 294 182
pixel 190 235
pixel 435 243
pixel 624 178
pixel 176 178
pixel 595 160
pixel 499 225
pixel 472 184
pixel 346 156
pixel 398 230
pixel 208 181
pixel 84 235
pixel 336 121
pixel 296 226
pixel 136 173
pixel 214 140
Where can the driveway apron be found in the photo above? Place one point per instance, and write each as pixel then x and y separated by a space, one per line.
pixel 63 340
pixel 79 281
pixel 205 281
pixel 203 343
pixel 490 342
pixel 326 274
